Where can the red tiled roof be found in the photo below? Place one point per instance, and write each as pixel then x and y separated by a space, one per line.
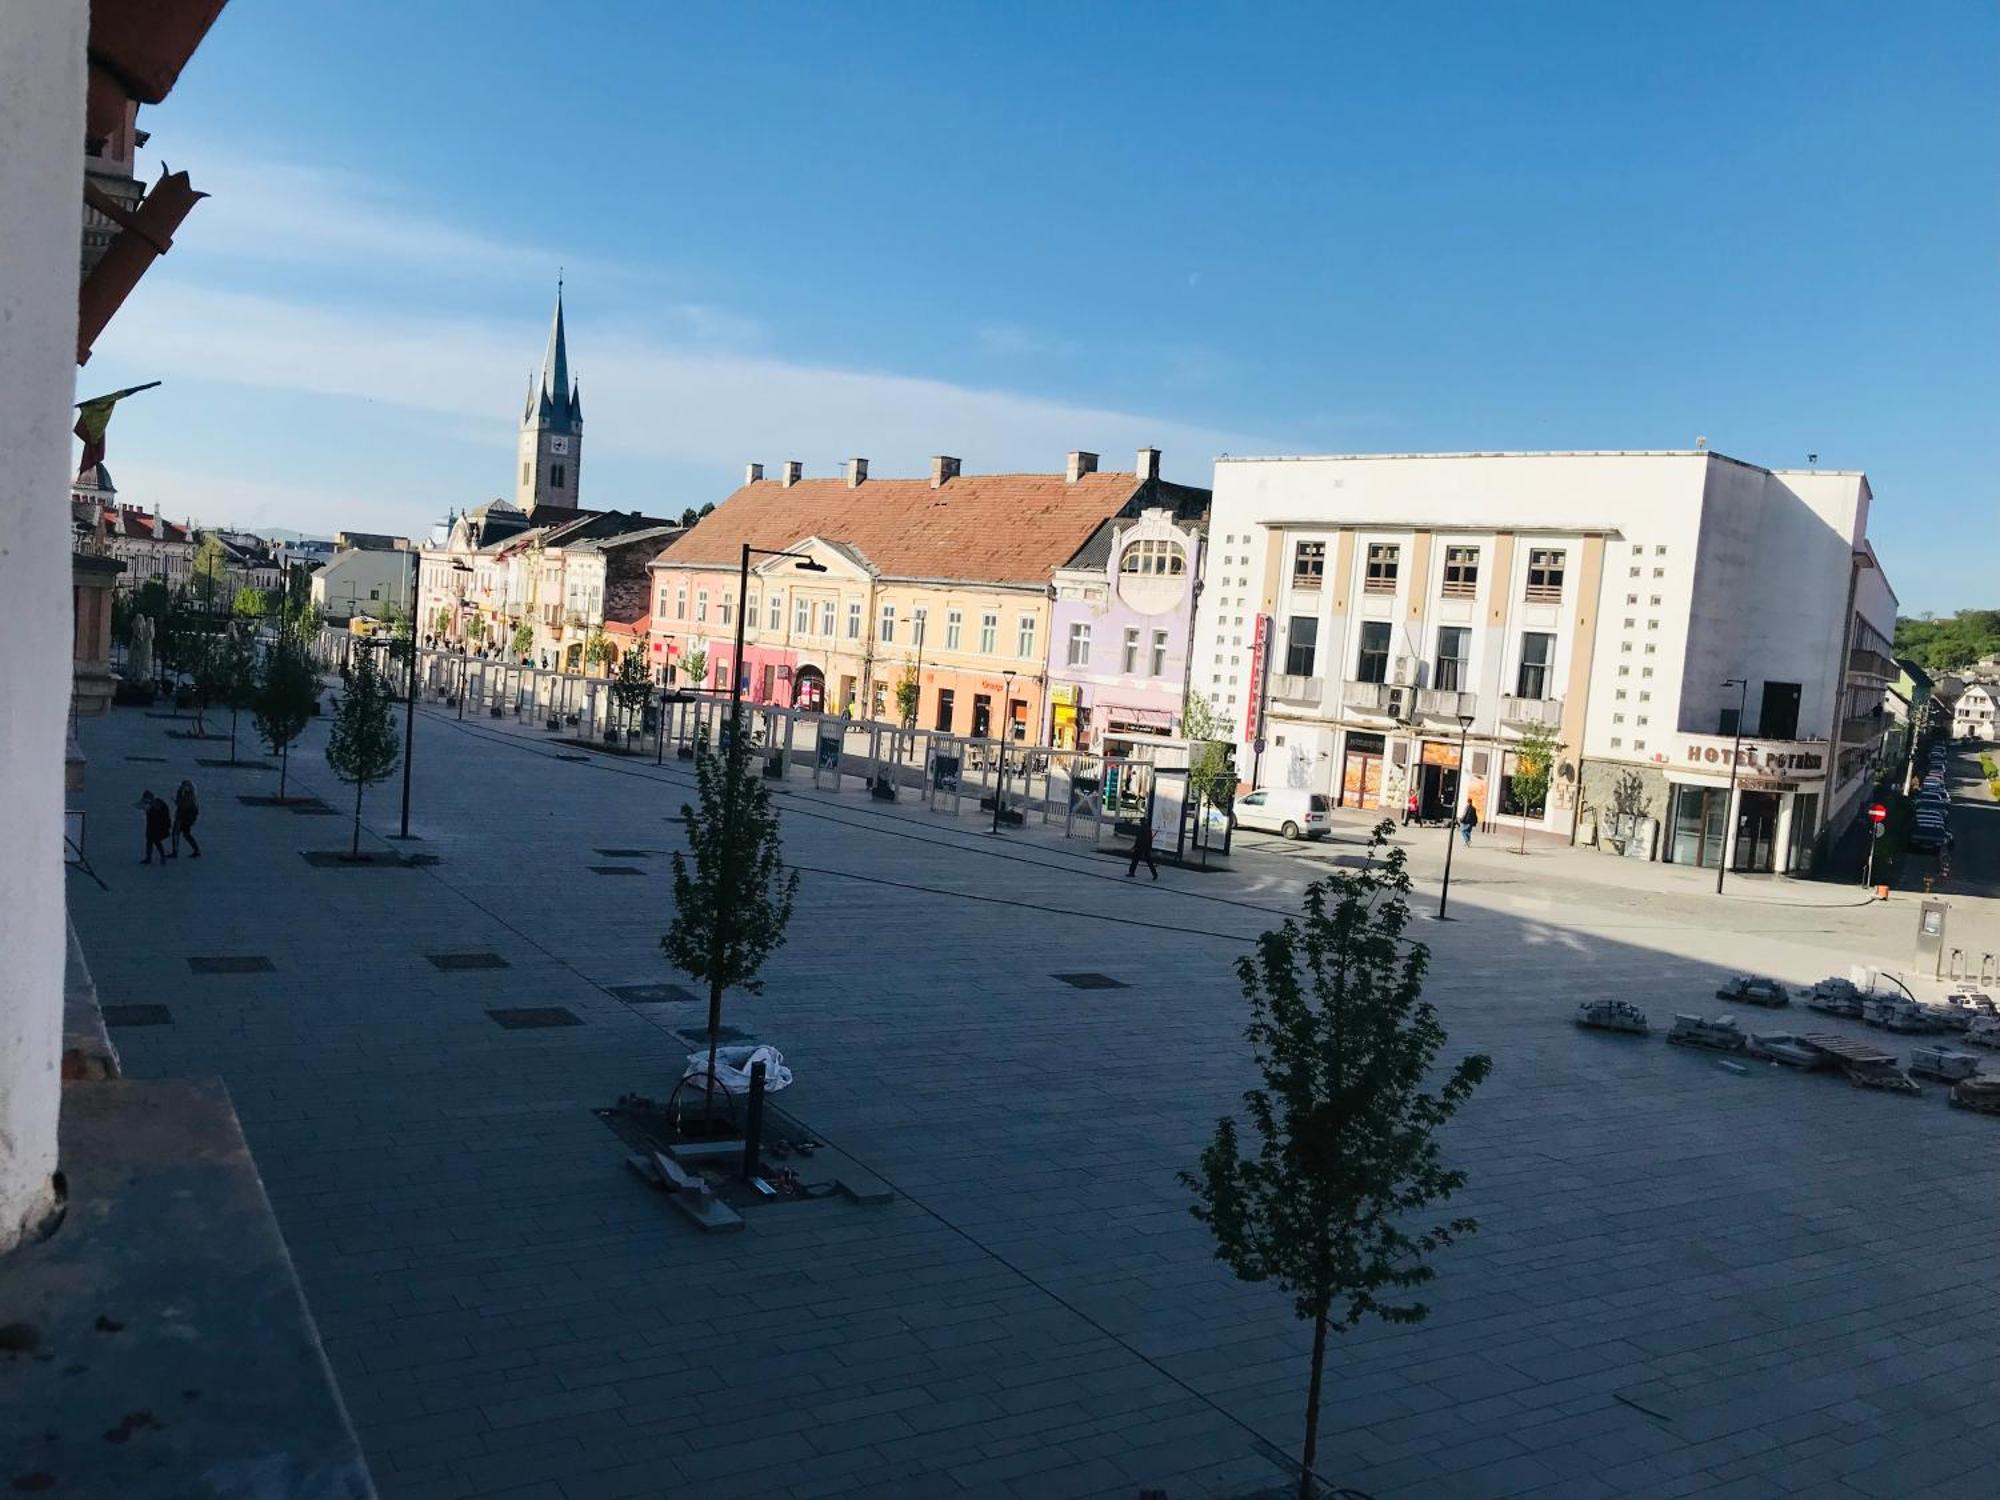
pixel 641 626
pixel 992 528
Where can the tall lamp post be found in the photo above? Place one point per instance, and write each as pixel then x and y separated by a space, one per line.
pixel 1735 755
pixel 410 693
pixel 1006 722
pixel 1451 823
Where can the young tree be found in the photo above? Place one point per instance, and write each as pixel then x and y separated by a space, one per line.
pixel 631 687
pixel 286 693
pixel 1534 762
pixel 362 748
pixel 523 642
pixel 251 604
pixel 238 677
pixel 475 630
pixel 597 649
pixel 1346 1154
pixel 908 691
pixel 732 895
pixel 202 651
pixel 694 666
pixel 211 567
pixel 1211 777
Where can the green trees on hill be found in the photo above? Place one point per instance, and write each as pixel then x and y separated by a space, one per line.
pixel 1944 644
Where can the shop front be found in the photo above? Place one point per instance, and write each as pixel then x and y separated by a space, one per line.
pixel 1768 824
pixel 1361 770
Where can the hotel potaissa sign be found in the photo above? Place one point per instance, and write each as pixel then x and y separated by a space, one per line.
pixel 1718 754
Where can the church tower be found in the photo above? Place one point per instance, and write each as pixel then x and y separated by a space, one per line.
pixel 552 430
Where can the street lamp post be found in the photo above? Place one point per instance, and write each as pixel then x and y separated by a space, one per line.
pixel 732 771
pixel 1451 823
pixel 410 694
pixel 1729 806
pixel 1006 714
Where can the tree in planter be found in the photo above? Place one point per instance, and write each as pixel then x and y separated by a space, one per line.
pixel 1534 762
pixel 732 895
pixel 631 688
pixel 250 604
pixel 523 642
pixel 597 649
pixel 694 666
pixel 1346 1155
pixel 908 691
pixel 286 693
pixel 237 677
pixel 362 748
pixel 203 660
pixel 1211 775
pixel 475 630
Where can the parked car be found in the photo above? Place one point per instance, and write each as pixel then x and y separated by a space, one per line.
pixel 1291 811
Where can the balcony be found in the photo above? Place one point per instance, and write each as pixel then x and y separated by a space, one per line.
pixel 1370 698
pixel 1862 662
pixel 1289 687
pixel 1864 729
pixel 1446 703
pixel 1546 712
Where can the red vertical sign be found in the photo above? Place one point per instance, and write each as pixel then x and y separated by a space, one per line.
pixel 1260 651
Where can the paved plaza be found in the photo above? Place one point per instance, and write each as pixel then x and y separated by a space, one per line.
pixel 1692 1279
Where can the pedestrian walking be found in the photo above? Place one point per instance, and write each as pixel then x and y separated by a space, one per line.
pixel 186 809
pixel 1142 848
pixel 1467 821
pixel 1410 809
pixel 159 824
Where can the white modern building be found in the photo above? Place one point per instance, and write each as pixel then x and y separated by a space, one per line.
pixel 1363 615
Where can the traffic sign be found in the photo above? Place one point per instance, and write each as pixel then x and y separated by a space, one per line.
pixel 1877 812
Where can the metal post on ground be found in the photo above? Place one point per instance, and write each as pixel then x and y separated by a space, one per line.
pixel 410 697
pixel 753 1123
pixel 1451 824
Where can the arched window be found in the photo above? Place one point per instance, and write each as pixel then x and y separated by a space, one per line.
pixel 1152 558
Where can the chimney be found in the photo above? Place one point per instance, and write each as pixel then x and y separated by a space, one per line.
pixel 793 470
pixel 1080 464
pixel 752 473
pixel 1149 464
pixel 943 467
pixel 857 472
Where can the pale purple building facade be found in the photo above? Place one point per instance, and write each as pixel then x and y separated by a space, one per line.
pixel 1122 619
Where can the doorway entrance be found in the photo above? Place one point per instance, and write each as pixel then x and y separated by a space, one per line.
pixel 1699 816
pixel 1361 771
pixel 1756 831
pixel 809 689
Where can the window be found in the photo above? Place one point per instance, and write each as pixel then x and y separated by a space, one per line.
pixel 1079 644
pixel 952 621
pixel 854 619
pixel 1128 663
pixel 1024 638
pixel 1154 558
pixel 1159 662
pixel 919 619
pixel 1301 645
pixel 776 618
pixel 728 608
pixel 802 614
pixel 1461 572
pixel 1538 655
pixel 681 602
pixel 1778 716
pixel 1309 565
pixel 1545 576
pixel 826 618
pixel 701 604
pixel 885 628
pixel 750 612
pixel 944 707
pixel 989 633
pixel 1454 642
pixel 1373 665
pixel 662 610
pixel 1381 578
pixel 555 476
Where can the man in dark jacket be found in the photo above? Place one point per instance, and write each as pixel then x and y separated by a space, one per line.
pixel 159 824
pixel 1142 848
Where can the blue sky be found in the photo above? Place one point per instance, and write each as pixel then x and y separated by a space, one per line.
pixel 891 230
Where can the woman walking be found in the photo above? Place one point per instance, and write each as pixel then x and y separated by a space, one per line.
pixel 1467 821
pixel 186 810
pixel 159 823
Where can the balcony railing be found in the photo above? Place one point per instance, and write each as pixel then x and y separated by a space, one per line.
pixel 1868 663
pixel 1366 697
pixel 1544 711
pixel 1446 703
pixel 1295 688
pixel 1863 729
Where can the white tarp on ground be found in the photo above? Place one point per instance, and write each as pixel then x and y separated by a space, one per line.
pixel 732 1068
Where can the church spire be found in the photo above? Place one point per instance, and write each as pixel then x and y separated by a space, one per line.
pixel 558 399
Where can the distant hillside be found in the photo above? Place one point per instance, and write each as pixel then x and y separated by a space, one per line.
pixel 1944 644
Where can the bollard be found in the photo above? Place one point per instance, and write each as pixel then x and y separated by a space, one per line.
pixel 753 1125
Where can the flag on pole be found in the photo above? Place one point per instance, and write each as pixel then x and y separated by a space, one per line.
pixel 93 416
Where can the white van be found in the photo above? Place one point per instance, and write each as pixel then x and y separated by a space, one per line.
pixel 1291 811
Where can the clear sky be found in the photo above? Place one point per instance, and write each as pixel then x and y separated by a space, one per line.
pixel 1004 231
